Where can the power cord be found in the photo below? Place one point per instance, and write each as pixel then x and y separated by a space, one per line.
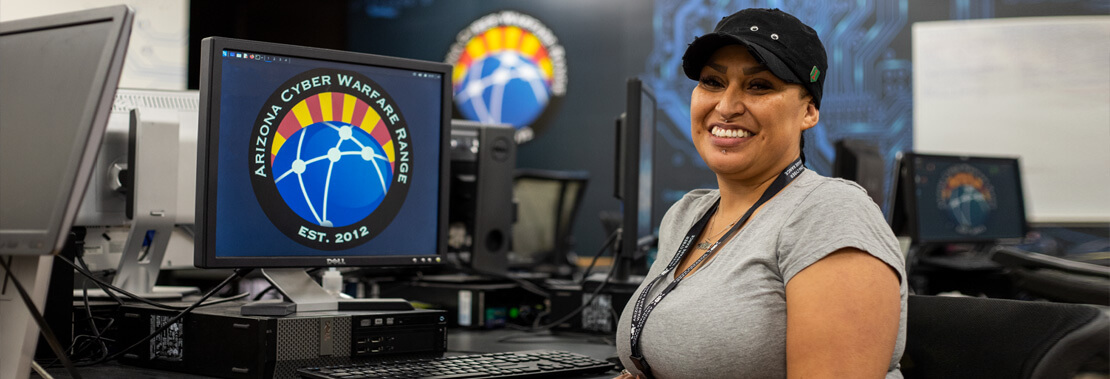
pixel 102 284
pixel 239 273
pixel 536 327
pixel 608 242
pixel 44 328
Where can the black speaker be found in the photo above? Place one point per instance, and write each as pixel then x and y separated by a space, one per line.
pixel 483 157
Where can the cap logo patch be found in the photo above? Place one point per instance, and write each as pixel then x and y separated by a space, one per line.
pixel 814 74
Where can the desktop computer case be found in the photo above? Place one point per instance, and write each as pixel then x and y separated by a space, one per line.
pixel 483 158
pixel 219 342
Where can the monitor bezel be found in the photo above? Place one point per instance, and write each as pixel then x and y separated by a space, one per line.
pixel 207 159
pixel 629 171
pixel 97 109
pixel 912 217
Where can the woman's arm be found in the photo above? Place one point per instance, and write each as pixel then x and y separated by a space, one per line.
pixel 842 315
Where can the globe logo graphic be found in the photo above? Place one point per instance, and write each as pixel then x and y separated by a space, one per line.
pixel 966 196
pixel 508 69
pixel 335 175
pixel 330 160
pixel 503 88
pixel 968 208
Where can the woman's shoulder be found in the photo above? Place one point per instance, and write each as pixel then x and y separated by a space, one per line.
pixel 820 188
pixel 699 198
pixel 693 203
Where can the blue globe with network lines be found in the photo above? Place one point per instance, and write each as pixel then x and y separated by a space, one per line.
pixel 332 174
pixel 969 209
pixel 503 88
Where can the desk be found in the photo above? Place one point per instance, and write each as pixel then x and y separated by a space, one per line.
pixel 459 341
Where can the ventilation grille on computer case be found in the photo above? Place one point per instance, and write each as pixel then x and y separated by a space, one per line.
pixel 128 99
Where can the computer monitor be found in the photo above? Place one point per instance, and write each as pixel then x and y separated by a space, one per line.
pixel 310 157
pixel 139 205
pixel 861 162
pixel 959 199
pixel 58 75
pixel 634 179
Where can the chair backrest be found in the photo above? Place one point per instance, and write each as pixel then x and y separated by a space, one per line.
pixel 967 337
pixel 547 202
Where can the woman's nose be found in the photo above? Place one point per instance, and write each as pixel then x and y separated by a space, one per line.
pixel 731 103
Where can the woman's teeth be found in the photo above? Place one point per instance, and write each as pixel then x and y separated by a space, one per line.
pixel 729 133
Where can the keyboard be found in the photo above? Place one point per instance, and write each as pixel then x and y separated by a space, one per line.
pixel 520 364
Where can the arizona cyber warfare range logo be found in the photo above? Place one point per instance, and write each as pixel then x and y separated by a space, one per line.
pixel 508 69
pixel 967 197
pixel 330 159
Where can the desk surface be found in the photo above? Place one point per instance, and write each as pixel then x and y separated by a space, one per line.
pixel 459 341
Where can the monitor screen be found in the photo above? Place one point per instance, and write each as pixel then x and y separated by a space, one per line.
pixel 58 75
pixel 312 157
pixel 964 199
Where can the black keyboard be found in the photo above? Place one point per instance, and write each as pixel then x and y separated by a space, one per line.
pixel 520 364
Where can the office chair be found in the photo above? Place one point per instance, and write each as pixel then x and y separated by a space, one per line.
pixel 969 337
pixel 547 203
pixel 1054 278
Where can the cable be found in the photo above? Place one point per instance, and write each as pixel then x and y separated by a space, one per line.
pixel 593 296
pixel 44 328
pixel 597 291
pixel 608 241
pixel 239 273
pixel 81 260
pixel 74 349
pixel 138 298
pixel 524 284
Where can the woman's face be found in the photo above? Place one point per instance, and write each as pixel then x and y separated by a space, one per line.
pixel 745 122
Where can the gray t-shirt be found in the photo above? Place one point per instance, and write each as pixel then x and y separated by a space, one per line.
pixel 728 320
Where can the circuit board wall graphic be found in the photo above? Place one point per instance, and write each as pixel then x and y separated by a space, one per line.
pixel 867 92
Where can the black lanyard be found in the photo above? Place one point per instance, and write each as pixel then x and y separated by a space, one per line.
pixel 643 308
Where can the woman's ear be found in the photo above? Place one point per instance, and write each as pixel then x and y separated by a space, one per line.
pixel 811 116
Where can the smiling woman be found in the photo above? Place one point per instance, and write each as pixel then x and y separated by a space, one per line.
pixel 783 272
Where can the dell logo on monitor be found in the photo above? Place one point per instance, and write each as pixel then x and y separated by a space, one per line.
pixel 336 261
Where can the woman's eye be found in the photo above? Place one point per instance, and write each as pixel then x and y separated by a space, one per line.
pixel 760 85
pixel 710 82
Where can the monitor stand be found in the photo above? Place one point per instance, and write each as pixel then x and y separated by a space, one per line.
pixel 302 294
pixel 153 204
pixel 19 330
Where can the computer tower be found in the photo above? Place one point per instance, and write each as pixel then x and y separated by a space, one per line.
pixel 483 157
pixel 218 341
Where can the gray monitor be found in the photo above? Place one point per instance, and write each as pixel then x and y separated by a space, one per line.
pixel 58 76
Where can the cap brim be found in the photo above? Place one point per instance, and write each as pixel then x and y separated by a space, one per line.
pixel 698 53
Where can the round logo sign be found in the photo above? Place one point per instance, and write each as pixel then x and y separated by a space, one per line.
pixel 330 159
pixel 508 69
pixel 967 197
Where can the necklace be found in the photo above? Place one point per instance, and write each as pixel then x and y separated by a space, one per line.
pixel 704 245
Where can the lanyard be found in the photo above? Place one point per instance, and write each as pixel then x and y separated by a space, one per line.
pixel 644 308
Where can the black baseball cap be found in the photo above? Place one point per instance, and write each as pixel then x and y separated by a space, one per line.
pixel 789 48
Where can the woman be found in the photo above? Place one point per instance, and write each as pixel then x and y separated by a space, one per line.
pixel 780 272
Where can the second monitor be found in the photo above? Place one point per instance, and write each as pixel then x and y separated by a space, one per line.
pixel 634 179
pixel 311 157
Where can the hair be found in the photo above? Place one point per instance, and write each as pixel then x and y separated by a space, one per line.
pixel 802 147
